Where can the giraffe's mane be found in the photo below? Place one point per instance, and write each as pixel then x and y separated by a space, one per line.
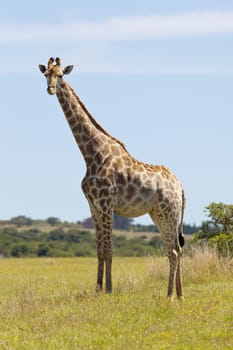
pixel 92 119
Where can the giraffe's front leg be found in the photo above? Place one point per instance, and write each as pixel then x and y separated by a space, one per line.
pixel 100 274
pixel 100 193
pixel 100 269
pixel 104 254
pixel 108 267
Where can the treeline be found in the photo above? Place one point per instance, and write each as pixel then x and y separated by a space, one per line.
pixel 61 242
pixel 32 242
pixel 24 237
pixel 188 229
pixel 127 224
pixel 119 223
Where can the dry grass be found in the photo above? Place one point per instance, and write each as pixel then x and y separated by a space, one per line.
pixel 200 264
pixel 204 264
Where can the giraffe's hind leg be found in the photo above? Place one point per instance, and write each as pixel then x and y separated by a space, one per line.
pixel 168 227
pixel 179 288
pixel 175 279
pixel 173 258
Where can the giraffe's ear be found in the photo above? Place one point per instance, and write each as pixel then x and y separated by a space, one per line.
pixel 68 69
pixel 42 68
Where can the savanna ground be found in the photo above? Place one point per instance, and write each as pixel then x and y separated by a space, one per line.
pixel 50 303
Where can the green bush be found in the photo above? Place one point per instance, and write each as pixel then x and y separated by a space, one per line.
pixel 57 235
pixel 20 250
pixel 224 243
pixel 72 236
pixel 43 249
pixel 155 242
pixel 218 230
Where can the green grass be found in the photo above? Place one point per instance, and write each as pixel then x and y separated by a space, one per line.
pixel 50 304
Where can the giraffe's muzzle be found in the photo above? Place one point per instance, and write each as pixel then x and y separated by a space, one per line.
pixel 51 90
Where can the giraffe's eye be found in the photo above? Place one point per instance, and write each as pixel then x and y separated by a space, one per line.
pixel 60 75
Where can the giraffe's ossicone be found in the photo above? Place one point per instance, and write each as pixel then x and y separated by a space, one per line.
pixel 115 182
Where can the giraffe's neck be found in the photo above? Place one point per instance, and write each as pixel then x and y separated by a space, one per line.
pixel 89 135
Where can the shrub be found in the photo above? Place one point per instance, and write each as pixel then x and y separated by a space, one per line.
pixel 43 250
pixel 218 230
pixel 20 250
pixel 155 242
pixel 57 235
pixel 224 243
pixel 72 236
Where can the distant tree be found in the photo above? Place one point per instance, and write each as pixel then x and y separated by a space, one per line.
pixel 21 220
pixel 119 222
pixel 88 223
pixel 53 221
pixel 122 223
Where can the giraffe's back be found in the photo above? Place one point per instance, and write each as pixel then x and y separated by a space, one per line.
pixel 141 188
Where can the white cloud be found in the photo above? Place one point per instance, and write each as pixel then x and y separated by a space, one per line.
pixel 90 44
pixel 121 29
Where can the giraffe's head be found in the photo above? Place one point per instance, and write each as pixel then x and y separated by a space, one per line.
pixel 54 74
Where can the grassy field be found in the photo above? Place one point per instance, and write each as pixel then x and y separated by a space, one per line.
pixel 50 304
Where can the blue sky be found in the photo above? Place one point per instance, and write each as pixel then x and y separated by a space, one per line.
pixel 157 75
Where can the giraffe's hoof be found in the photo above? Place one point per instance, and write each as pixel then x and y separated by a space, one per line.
pixel 170 298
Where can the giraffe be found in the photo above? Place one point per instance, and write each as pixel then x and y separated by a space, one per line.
pixel 115 182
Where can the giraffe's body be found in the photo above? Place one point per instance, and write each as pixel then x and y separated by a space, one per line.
pixel 115 182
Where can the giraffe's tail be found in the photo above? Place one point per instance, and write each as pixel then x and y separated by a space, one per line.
pixel 181 232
